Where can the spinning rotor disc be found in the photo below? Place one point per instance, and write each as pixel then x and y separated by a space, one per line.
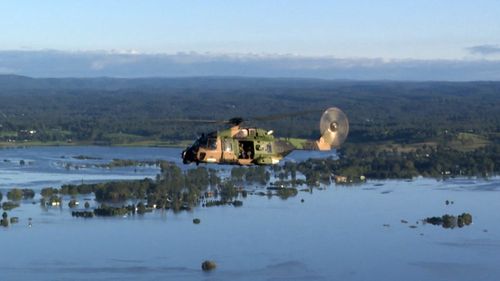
pixel 334 126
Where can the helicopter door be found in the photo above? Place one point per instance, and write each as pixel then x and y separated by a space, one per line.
pixel 246 150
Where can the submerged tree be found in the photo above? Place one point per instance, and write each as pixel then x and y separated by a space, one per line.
pixel 15 194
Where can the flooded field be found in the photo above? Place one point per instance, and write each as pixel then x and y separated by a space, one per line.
pixel 362 232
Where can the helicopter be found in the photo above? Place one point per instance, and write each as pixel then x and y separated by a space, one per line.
pixel 240 145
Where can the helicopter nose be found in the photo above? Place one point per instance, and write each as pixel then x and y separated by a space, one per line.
pixel 183 156
pixel 187 156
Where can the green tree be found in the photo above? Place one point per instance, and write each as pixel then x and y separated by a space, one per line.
pixel 28 193
pixel 141 208
pixel 15 194
pixel 228 191
pixel 48 192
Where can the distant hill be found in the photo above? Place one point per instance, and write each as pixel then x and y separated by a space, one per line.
pixel 107 83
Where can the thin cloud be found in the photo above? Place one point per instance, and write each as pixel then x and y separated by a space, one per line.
pixel 6 70
pixel 111 60
pixel 52 63
pixel 484 50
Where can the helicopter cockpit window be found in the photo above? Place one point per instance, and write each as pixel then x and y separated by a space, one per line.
pixel 207 142
pixel 212 143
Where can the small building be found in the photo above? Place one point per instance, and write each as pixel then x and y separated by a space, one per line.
pixel 340 179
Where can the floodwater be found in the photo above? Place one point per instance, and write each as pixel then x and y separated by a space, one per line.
pixel 371 231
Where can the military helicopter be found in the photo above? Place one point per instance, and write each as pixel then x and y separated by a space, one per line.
pixel 239 145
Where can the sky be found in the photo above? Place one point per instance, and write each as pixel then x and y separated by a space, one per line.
pixel 383 30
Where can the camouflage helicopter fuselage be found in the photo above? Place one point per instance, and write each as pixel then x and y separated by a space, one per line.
pixel 240 146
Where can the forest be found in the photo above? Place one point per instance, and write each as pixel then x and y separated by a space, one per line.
pixel 112 111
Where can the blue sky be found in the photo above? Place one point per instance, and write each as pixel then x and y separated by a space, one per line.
pixel 383 39
pixel 343 29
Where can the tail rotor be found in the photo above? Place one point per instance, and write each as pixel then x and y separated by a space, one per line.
pixel 334 128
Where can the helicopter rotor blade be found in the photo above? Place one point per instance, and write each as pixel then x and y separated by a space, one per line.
pixel 202 121
pixel 284 115
pixel 238 120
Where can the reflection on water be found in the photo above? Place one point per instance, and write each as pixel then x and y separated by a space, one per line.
pixel 338 233
pixel 54 166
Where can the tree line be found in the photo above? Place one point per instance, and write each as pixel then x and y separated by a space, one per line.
pixel 134 110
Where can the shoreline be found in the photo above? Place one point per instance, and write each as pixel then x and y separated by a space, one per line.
pixel 176 144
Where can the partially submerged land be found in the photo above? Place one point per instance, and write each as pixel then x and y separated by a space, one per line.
pixel 450 221
pixel 400 161
pixel 172 189
pixel 397 130
pixel 181 190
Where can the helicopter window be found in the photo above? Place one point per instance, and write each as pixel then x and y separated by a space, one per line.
pixel 228 146
pixel 243 133
pixel 207 142
pixel 202 141
pixel 196 143
pixel 212 143
pixel 269 148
